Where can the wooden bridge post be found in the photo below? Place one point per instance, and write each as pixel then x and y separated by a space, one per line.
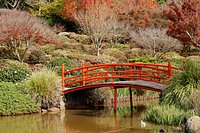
pixel 83 74
pixel 169 70
pixel 115 99
pixel 63 77
pixel 131 99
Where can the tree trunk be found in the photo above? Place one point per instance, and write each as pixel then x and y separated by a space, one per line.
pixel 98 51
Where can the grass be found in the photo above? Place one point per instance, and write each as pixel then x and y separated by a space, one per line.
pixel 182 85
pixel 166 114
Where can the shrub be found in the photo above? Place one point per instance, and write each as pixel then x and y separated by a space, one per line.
pixel 13 71
pixel 143 59
pixel 36 57
pixel 182 85
pixel 45 86
pixel 166 114
pixel 13 101
pixel 119 55
pixel 56 64
pixel 155 41
pixel 19 35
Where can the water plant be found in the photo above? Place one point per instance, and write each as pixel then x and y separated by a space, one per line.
pixel 166 114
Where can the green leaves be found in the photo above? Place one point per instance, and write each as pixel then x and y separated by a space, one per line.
pixel 182 85
pixel 13 101
pixel 14 72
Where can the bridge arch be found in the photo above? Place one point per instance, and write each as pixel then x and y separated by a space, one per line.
pixel 141 75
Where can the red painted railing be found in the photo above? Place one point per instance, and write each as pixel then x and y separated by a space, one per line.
pixel 103 73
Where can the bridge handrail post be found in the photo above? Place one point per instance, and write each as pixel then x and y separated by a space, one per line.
pixel 183 65
pixel 63 77
pixel 113 74
pixel 169 69
pixel 83 74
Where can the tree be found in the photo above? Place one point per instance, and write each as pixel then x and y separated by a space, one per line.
pixel 185 21
pixel 140 13
pixel 23 32
pixel 97 20
pixel 155 41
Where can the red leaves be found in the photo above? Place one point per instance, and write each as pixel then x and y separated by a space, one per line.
pixel 185 21
pixel 21 31
pixel 72 6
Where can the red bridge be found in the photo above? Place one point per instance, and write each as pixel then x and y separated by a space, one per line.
pixel 133 75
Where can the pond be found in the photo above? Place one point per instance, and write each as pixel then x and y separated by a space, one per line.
pixel 83 121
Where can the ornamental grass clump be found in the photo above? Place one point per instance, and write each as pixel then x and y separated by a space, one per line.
pixel 182 85
pixel 166 114
pixel 45 87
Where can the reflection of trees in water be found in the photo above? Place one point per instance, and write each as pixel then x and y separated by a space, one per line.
pixel 47 123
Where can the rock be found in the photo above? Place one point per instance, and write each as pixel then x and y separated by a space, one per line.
pixel 79 38
pixel 54 109
pixel 43 111
pixel 193 125
pixel 162 130
pixel 63 34
pixel 62 104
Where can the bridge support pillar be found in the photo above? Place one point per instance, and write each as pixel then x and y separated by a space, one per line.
pixel 115 99
pixel 131 98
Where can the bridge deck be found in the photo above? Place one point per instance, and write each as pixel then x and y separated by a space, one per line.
pixel 136 83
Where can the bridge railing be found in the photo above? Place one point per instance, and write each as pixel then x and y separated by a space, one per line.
pixel 104 73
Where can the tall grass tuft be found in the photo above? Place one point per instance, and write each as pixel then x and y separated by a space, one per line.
pixel 181 86
pixel 166 114
pixel 45 85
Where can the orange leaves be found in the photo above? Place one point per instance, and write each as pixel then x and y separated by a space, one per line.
pixel 139 13
pixel 72 6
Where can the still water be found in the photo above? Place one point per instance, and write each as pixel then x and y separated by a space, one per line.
pixel 83 121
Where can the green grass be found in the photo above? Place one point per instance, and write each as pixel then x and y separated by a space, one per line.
pixel 166 114
pixel 181 86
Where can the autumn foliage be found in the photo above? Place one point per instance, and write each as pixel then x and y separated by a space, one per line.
pixel 72 6
pixel 19 32
pixel 140 13
pixel 185 21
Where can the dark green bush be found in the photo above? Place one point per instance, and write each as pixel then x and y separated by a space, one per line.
pixel 36 57
pixel 13 101
pixel 13 71
pixel 55 64
pixel 143 59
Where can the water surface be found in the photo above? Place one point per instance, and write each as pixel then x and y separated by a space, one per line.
pixel 82 121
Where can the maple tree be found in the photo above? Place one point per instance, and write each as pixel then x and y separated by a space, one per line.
pixel 19 35
pixel 140 13
pixel 185 21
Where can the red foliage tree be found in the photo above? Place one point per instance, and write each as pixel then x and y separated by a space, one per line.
pixel 19 32
pixel 72 6
pixel 140 13
pixel 185 21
